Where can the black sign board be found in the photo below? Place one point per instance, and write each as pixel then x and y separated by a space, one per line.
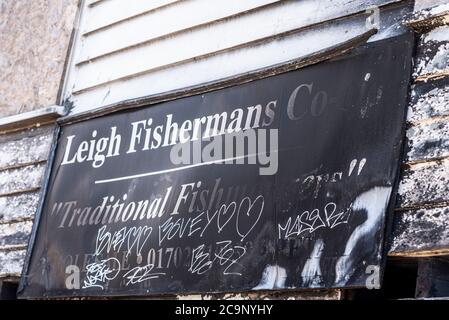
pixel 164 199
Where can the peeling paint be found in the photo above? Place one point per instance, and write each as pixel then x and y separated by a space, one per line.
pixel 438 34
pixel 18 207
pixel 437 63
pixel 420 230
pixel 429 14
pixel 439 9
pixel 18 176
pixel 432 103
pixel 428 141
pixel 11 263
pixel 25 147
pixel 14 234
pixel 421 226
pixel 433 54
pixel 424 183
pixel 21 179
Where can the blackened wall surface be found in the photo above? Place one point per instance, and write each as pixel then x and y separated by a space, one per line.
pixel 421 225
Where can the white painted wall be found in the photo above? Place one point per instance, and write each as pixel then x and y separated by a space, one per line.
pixel 135 48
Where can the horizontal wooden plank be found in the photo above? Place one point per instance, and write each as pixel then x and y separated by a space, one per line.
pixel 203 70
pixel 143 28
pixel 420 232
pixel 434 5
pixel 432 57
pixel 92 3
pixel 429 14
pixel 21 179
pixel 25 147
pixel 26 133
pixel 424 183
pixel 427 141
pixel 11 263
pixel 103 13
pixel 316 57
pixel 241 30
pixel 429 99
pixel 15 234
pixel 31 119
pixel 186 16
pixel 233 62
pixel 18 207
pixel 114 12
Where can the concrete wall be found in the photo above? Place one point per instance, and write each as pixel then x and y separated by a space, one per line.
pixel 34 40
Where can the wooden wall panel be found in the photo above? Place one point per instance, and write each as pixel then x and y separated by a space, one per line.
pixel 23 156
pixel 122 53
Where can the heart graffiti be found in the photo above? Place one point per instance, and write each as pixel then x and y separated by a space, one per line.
pixel 249 214
pixel 225 211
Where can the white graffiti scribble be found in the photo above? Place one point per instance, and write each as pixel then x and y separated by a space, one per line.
pixel 140 274
pixel 310 221
pixel 98 273
pixel 134 238
pixel 227 255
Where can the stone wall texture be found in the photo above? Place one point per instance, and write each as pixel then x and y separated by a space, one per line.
pixel 34 41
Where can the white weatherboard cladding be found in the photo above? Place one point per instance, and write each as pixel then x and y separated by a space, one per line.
pixel 159 23
pixel 151 47
pixel 109 11
pixel 437 5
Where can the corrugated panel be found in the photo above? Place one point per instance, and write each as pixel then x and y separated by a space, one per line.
pixel 150 47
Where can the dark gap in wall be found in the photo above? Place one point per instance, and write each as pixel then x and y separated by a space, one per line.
pixel 399 282
pixel 433 277
pixel 8 290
